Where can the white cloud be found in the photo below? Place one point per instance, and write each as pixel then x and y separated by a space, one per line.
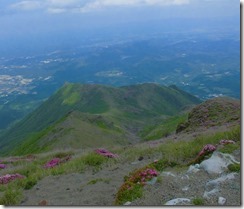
pixel 62 3
pixel 99 4
pixel 27 5
pixel 55 10
pixel 166 2
pixel 60 6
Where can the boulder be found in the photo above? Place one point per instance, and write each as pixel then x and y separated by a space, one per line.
pixel 217 163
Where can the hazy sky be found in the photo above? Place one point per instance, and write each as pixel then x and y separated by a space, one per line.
pixel 43 21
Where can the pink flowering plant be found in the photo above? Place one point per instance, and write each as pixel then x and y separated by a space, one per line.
pixel 56 161
pixel 106 153
pixel 132 188
pixel 52 163
pixel 10 177
pixel 2 166
pixel 207 149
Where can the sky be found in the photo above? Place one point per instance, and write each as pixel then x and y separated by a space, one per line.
pixel 43 23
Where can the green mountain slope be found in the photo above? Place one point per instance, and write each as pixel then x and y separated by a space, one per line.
pixel 127 108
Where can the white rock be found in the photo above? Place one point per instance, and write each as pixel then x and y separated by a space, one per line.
pixel 185 177
pixel 223 178
pixel 168 174
pixel 193 168
pixel 128 203
pixel 178 201
pixel 221 201
pixel 218 163
pixel 197 166
pixel 213 192
pixel 186 188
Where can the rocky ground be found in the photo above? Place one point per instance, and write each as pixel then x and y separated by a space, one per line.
pixel 174 186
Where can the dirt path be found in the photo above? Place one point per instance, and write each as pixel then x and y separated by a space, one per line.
pixel 77 189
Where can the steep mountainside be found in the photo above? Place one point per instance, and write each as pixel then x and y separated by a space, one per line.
pixel 213 112
pixel 127 109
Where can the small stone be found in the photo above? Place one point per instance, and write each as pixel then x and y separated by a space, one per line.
pixel 221 201
pixel 168 174
pixel 42 203
pixel 140 158
pixel 178 201
pixel 186 188
pixel 128 203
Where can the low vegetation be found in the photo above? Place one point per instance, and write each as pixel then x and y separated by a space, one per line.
pixel 170 154
pixel 163 128
pixel 174 154
pixel 198 201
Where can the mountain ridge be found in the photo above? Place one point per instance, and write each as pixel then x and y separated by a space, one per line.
pixel 128 107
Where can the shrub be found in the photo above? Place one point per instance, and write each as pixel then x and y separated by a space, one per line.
pixel 128 192
pixel 94 159
pixel 132 188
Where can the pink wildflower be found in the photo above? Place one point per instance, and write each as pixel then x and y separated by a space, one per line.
pixel 9 177
pixel 54 162
pixel 105 153
pixel 2 166
pixel 206 149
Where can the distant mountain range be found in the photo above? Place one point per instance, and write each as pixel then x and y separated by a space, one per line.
pixel 90 115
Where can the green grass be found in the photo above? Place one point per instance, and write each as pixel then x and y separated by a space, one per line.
pixel 234 167
pixel 229 148
pixel 182 152
pixel 94 159
pixel 198 201
pixel 163 129
pixel 30 182
pixel 72 99
pixel 125 195
pixel 30 145
pixel 11 197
